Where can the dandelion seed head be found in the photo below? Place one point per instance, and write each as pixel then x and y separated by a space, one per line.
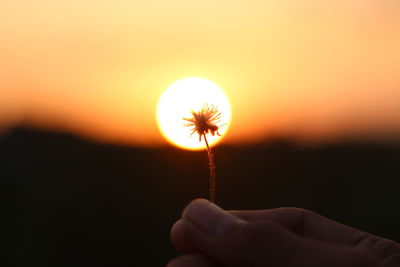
pixel 205 121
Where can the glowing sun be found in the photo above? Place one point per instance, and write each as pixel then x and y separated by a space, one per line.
pixel 183 97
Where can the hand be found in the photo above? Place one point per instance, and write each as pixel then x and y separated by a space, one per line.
pixel 211 236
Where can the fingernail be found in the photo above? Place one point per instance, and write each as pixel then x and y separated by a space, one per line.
pixel 208 216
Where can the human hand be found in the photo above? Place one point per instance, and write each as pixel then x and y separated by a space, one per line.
pixel 211 236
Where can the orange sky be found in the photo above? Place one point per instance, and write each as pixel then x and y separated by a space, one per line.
pixel 311 69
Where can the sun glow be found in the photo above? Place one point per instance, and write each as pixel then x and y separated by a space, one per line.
pixel 179 100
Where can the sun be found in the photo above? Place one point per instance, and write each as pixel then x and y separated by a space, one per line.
pixel 179 100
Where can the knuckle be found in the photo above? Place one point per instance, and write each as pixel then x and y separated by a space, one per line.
pixel 299 218
pixel 391 249
pixel 299 211
pixel 366 241
pixel 379 247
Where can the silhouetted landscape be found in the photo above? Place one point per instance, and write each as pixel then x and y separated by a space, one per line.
pixel 72 202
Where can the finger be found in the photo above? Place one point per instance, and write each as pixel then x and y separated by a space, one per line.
pixel 385 250
pixel 232 241
pixel 191 260
pixel 306 223
pixel 179 234
pixel 179 238
pixel 315 226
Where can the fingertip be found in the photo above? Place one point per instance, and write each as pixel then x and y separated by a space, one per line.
pixel 177 234
pixel 209 217
pixel 180 233
pixel 180 237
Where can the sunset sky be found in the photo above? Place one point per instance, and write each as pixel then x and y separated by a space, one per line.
pixel 312 70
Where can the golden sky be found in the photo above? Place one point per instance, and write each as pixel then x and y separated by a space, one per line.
pixel 315 70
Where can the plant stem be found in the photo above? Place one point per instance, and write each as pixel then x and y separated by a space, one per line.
pixel 212 171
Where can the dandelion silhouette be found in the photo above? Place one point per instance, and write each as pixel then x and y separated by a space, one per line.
pixel 203 122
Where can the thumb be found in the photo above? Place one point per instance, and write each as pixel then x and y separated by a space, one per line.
pixel 229 240
pixel 232 241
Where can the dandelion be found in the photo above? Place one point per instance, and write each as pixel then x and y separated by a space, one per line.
pixel 203 122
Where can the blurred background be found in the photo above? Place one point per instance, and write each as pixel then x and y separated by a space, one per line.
pixel 87 179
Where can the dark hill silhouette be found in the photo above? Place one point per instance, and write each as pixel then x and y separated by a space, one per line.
pixel 71 202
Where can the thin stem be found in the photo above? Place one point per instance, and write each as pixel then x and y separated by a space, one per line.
pixel 212 171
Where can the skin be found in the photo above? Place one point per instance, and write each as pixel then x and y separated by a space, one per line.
pixel 211 236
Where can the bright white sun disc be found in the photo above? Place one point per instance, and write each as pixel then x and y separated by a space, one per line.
pixel 178 101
